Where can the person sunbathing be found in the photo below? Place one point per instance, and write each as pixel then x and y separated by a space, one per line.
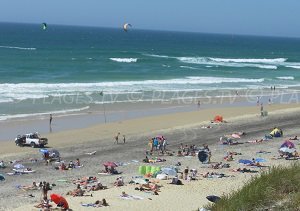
pixel 77 192
pixel 99 186
pixel 44 204
pixel 150 187
pixel 62 166
pixel 101 203
pixel 176 181
pixel 294 138
pixel 228 158
pixel 146 160
pixel 244 170
pixel 77 162
pixel 216 166
pixel 30 187
pixel 119 182
pixel 256 141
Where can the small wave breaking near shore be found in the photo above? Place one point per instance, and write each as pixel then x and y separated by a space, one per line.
pixel 19 48
pixel 15 116
pixel 124 60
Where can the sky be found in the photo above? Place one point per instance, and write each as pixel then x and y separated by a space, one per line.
pixel 250 17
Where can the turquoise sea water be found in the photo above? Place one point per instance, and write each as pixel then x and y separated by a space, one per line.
pixel 64 68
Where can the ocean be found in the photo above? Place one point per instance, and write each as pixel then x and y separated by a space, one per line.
pixel 69 68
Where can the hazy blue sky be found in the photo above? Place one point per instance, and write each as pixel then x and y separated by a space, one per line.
pixel 258 17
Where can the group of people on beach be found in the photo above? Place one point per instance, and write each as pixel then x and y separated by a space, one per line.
pixel 158 143
pixel 117 137
pixel 70 165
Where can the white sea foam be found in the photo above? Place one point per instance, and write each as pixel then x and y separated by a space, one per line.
pixel 5 117
pixel 286 77
pixel 188 67
pixel 293 66
pixel 20 48
pixel 23 91
pixel 125 60
pixel 159 56
pixel 215 62
pixel 266 61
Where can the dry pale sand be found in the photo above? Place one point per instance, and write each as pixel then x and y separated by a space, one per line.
pixel 145 125
pixel 178 128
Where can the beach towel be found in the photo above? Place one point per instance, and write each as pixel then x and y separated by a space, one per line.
pixel 131 197
pixel 245 161
pixel 260 160
pixel 89 205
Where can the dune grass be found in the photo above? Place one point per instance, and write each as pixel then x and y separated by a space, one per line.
pixel 276 189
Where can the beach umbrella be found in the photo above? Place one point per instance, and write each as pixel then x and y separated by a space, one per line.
pixel 43 151
pixel 218 118
pixel 286 149
pixel 245 161
pixel 54 153
pixel 169 171
pixel 213 198
pixel 288 144
pixel 59 200
pixel 19 166
pixel 202 156
pixel 110 164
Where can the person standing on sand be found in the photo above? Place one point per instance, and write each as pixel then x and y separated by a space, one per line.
pixel 186 172
pixel 124 139
pixel 50 119
pixel 117 138
pixel 261 109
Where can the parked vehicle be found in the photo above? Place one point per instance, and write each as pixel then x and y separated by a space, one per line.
pixel 32 139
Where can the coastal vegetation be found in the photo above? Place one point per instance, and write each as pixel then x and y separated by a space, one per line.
pixel 275 189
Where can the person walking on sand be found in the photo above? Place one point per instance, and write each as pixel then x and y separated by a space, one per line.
pixel 117 138
pixel 261 109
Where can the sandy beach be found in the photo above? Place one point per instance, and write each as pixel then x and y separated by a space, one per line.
pixel 178 128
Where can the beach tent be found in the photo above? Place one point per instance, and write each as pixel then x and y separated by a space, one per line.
pixel 169 171
pixel 203 156
pixel 60 201
pixel 149 169
pixel 19 166
pixel 218 118
pixel 287 150
pixel 288 144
